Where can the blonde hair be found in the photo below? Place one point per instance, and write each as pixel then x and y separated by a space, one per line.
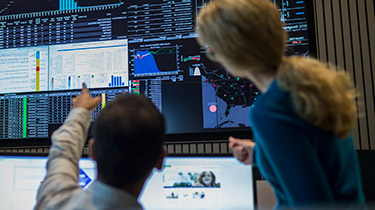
pixel 243 31
pixel 249 35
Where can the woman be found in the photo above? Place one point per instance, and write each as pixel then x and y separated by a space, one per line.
pixel 302 121
pixel 207 179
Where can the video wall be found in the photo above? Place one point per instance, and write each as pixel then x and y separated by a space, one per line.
pixel 48 48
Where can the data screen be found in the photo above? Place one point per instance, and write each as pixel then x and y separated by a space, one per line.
pixel 20 69
pixel 21 178
pixel 97 64
pixel 48 48
pixel 199 183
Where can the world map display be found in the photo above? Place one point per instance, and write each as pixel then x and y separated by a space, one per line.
pixel 226 99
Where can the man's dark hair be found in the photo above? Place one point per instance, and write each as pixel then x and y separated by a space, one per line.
pixel 129 135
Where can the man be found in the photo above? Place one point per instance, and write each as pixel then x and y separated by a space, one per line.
pixel 123 126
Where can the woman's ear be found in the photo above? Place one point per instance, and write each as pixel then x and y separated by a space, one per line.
pixel 91 149
pixel 159 163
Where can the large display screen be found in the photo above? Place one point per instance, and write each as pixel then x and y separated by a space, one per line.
pixel 48 48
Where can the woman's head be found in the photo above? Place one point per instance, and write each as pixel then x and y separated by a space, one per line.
pixel 248 39
pixel 207 178
pixel 244 34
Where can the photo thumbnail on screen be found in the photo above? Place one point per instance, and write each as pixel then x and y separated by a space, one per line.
pixel 194 178
pixel 193 184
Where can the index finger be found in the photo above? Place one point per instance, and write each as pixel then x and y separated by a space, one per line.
pixel 84 88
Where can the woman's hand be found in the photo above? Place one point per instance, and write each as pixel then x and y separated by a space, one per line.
pixel 243 149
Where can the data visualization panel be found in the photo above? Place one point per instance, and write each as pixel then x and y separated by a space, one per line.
pixel 98 64
pixel 24 69
pixel 48 48
pixel 33 115
pixel 293 14
pixel 159 20
pixel 86 24
pixel 157 61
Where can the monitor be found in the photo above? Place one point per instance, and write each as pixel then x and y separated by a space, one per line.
pixel 200 183
pixel 48 48
pixel 185 183
pixel 21 176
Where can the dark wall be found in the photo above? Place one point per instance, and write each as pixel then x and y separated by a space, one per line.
pixel 367 164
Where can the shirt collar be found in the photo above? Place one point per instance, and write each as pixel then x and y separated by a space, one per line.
pixel 113 195
pixel 272 85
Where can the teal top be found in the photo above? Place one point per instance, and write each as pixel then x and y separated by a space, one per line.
pixel 304 164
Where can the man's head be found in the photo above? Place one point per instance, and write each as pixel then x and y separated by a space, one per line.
pixel 129 134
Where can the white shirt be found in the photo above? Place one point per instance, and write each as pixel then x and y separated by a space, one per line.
pixel 60 189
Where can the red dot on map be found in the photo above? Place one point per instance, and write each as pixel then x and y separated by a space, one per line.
pixel 213 108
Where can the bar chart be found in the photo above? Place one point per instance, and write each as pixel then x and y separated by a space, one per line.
pixel 103 100
pixel 116 81
pixel 73 4
pixel 24 118
pixel 68 4
pixel 37 78
pixel 69 82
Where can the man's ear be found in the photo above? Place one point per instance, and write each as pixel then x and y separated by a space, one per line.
pixel 159 163
pixel 91 149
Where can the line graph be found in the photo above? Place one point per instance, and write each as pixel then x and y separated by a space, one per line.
pixel 4 5
pixel 150 62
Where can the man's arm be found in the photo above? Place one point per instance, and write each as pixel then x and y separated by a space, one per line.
pixel 66 150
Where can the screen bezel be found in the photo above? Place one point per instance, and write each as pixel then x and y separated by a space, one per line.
pixel 310 15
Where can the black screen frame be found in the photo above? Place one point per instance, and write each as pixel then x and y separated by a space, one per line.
pixel 310 14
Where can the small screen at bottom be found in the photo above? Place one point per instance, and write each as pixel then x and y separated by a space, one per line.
pixel 199 183
pixel 184 183
pixel 21 176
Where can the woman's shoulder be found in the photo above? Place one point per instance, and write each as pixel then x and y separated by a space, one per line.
pixel 275 110
pixel 274 102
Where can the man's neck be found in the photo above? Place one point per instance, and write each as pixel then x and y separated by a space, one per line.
pixel 133 189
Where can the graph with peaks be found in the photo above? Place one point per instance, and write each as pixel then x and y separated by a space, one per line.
pixel 161 61
pixel 78 4
pixel 12 7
